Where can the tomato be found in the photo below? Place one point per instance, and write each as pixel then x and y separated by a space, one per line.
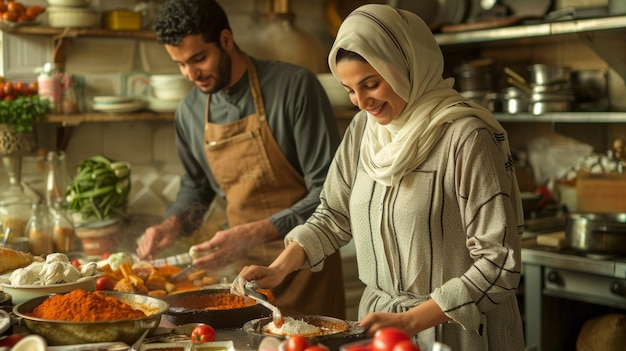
pixel 104 283
pixel 386 338
pixel 360 347
pixel 405 345
pixel 76 263
pixel 315 348
pixel 11 340
pixel 8 88
pixel 202 333
pixel 296 343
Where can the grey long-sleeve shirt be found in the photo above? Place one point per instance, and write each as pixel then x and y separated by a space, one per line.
pixel 301 120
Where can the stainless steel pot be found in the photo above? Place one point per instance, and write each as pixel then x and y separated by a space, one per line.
pixel 596 232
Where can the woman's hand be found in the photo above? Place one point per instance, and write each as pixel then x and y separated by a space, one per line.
pixel 413 321
pixel 378 320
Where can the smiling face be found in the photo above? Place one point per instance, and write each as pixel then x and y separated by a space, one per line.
pixel 369 91
pixel 207 65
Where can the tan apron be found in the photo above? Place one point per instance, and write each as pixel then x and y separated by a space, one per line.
pixel 258 182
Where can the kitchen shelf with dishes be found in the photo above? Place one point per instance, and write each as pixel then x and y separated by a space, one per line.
pixel 95 116
pixel 604 35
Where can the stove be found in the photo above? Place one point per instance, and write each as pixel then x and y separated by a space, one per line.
pixel 560 275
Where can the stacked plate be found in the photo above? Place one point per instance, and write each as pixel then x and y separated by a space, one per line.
pixel 167 91
pixel 116 103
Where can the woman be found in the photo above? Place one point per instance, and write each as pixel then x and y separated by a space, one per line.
pixel 423 183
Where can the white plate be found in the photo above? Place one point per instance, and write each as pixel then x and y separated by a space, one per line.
pixel 113 99
pixel 122 107
pixel 5 321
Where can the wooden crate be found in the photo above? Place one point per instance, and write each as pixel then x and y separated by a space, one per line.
pixel 601 192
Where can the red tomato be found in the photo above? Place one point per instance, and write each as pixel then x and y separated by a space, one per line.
pixel 104 283
pixel 385 339
pixel 405 345
pixel 315 348
pixel 11 340
pixel 202 333
pixel 76 263
pixel 296 343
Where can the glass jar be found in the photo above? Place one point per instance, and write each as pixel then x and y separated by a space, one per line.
pixel 57 179
pixel 63 233
pixel 39 229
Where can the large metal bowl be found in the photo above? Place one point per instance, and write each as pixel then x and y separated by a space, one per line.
pixel 68 333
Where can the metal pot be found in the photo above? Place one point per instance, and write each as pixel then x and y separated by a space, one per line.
pixel 69 333
pixel 596 232
pixel 544 74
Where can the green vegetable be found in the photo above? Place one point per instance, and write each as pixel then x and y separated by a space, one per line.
pixel 100 189
pixel 23 112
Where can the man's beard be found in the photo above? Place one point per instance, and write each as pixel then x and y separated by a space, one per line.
pixel 223 72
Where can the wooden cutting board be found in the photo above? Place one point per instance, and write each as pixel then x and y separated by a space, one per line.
pixel 556 239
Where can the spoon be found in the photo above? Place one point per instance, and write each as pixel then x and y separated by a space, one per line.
pixel 277 316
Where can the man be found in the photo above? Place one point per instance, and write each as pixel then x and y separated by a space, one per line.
pixel 261 134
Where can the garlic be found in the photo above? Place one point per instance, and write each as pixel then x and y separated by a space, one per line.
pixel 88 269
pixel 71 274
pixel 23 276
pixel 52 273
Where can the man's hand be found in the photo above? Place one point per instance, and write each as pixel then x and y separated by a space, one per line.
pixel 158 237
pixel 231 244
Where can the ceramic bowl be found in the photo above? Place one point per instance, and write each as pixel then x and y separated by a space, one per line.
pixel 24 293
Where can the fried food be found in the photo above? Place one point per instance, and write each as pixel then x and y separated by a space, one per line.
pixel 12 259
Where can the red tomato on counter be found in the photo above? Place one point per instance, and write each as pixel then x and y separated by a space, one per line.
pixel 11 340
pixel 202 333
pixel 406 345
pixel 296 343
pixel 385 339
pixel 104 284
pixel 315 348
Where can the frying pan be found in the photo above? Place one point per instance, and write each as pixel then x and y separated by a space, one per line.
pixel 188 307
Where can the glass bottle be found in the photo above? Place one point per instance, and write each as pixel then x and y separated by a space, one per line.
pixel 15 205
pixel 63 233
pixel 39 229
pixel 57 179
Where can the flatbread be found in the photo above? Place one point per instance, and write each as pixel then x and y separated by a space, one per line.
pixel 12 259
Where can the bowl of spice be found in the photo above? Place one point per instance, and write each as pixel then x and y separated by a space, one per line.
pixel 83 317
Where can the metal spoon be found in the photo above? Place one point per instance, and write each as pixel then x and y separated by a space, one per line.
pixel 277 316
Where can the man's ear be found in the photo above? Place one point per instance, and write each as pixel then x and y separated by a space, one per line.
pixel 226 40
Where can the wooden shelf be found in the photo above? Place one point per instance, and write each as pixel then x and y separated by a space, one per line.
pixel 76 119
pixel 79 32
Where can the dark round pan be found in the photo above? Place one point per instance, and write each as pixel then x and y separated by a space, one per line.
pixel 187 307
pixel 337 332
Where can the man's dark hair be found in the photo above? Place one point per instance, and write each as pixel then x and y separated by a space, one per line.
pixel 179 18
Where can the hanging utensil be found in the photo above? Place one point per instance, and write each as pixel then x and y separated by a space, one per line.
pixel 277 316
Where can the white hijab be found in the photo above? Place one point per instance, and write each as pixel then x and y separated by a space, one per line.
pixel 402 49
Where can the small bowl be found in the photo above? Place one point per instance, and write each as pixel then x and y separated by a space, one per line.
pixel 71 17
pixel 24 293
